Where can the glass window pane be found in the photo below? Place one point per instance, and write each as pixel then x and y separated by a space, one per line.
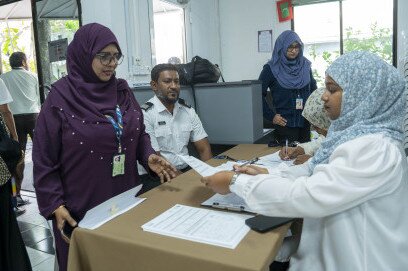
pixel 318 26
pixel 168 32
pixel 367 25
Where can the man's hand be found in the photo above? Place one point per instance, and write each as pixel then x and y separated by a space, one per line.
pixel 63 216
pixel 219 182
pixel 279 120
pixel 162 168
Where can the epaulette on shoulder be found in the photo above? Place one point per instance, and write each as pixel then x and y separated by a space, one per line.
pixel 146 106
pixel 182 102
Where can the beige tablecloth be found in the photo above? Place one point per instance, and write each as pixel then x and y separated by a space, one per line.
pixel 121 244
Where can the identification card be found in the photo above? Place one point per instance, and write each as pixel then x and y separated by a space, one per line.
pixel 118 163
pixel 299 103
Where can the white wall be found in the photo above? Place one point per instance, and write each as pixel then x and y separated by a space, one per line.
pixel 224 31
pixel 240 21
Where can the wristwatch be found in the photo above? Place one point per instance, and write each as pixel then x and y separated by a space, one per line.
pixel 234 178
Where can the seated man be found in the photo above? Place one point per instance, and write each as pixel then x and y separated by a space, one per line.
pixel 170 122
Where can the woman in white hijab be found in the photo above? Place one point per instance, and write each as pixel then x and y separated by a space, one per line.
pixel 353 193
pixel 314 112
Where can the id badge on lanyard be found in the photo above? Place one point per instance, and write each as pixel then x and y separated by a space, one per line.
pixel 118 160
pixel 299 102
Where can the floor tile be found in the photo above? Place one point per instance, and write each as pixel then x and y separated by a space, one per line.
pixel 47 265
pixel 46 245
pixel 24 226
pixel 37 257
pixel 35 235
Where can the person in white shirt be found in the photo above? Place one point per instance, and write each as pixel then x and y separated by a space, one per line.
pixel 353 193
pixel 23 87
pixel 170 122
pixel 314 112
pixel 5 100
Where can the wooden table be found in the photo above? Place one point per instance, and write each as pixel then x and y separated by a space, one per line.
pixel 121 244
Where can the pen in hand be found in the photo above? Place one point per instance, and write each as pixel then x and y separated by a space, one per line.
pixel 250 162
pixel 286 150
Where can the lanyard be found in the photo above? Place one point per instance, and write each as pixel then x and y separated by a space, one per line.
pixel 118 126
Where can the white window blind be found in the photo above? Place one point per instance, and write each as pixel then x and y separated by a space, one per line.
pixel 310 2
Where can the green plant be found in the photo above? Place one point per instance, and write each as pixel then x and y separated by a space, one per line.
pixel 379 41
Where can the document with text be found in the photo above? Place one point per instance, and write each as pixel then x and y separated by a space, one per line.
pixel 200 225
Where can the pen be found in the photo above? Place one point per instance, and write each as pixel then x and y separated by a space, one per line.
pixel 286 148
pixel 250 162
pixel 238 208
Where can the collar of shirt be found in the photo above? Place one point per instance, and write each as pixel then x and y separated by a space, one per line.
pixel 160 107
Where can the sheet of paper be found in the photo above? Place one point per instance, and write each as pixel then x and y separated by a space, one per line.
pixel 201 167
pixel 272 160
pixel 230 201
pixel 110 209
pixel 200 225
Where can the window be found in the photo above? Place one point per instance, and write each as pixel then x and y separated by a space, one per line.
pixel 169 37
pixel 329 29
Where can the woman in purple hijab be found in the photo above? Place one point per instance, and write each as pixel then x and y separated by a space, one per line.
pixel 89 135
pixel 288 76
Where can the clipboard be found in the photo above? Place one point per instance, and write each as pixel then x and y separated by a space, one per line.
pixel 261 223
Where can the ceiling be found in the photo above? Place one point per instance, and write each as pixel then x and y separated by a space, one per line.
pixel 46 9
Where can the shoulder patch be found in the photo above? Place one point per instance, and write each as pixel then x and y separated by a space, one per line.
pixel 146 106
pixel 182 102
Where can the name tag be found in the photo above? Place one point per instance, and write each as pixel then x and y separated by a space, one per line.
pixel 118 165
pixel 299 103
pixel 161 123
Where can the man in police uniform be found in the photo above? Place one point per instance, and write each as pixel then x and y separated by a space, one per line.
pixel 170 122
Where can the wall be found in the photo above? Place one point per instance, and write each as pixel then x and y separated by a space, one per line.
pixel 240 21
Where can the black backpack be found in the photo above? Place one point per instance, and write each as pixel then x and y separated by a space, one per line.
pixel 199 70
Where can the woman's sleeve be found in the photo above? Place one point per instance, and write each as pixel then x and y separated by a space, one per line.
pixel 266 78
pixel 46 159
pixel 144 147
pixel 359 170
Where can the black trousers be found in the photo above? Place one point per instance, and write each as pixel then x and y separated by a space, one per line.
pixel 281 133
pixel 13 253
pixel 25 124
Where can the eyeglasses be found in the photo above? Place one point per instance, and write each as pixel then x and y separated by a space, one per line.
pixel 294 47
pixel 106 58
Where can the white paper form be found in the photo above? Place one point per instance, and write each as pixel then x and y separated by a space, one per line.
pixel 200 225
pixel 272 160
pixel 110 209
pixel 201 167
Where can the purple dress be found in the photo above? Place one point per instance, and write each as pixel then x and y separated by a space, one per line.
pixel 74 142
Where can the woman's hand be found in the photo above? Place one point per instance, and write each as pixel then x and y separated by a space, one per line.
pixel 279 120
pixel 292 152
pixel 301 159
pixel 63 216
pixel 250 170
pixel 162 168
pixel 219 182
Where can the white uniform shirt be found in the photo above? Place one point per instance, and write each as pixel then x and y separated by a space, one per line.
pixel 170 133
pixel 23 87
pixel 355 207
pixel 5 97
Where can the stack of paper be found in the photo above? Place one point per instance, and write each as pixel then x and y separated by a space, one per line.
pixel 200 225
pixel 110 209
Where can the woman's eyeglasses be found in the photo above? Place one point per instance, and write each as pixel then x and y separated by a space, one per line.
pixel 107 58
pixel 294 47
